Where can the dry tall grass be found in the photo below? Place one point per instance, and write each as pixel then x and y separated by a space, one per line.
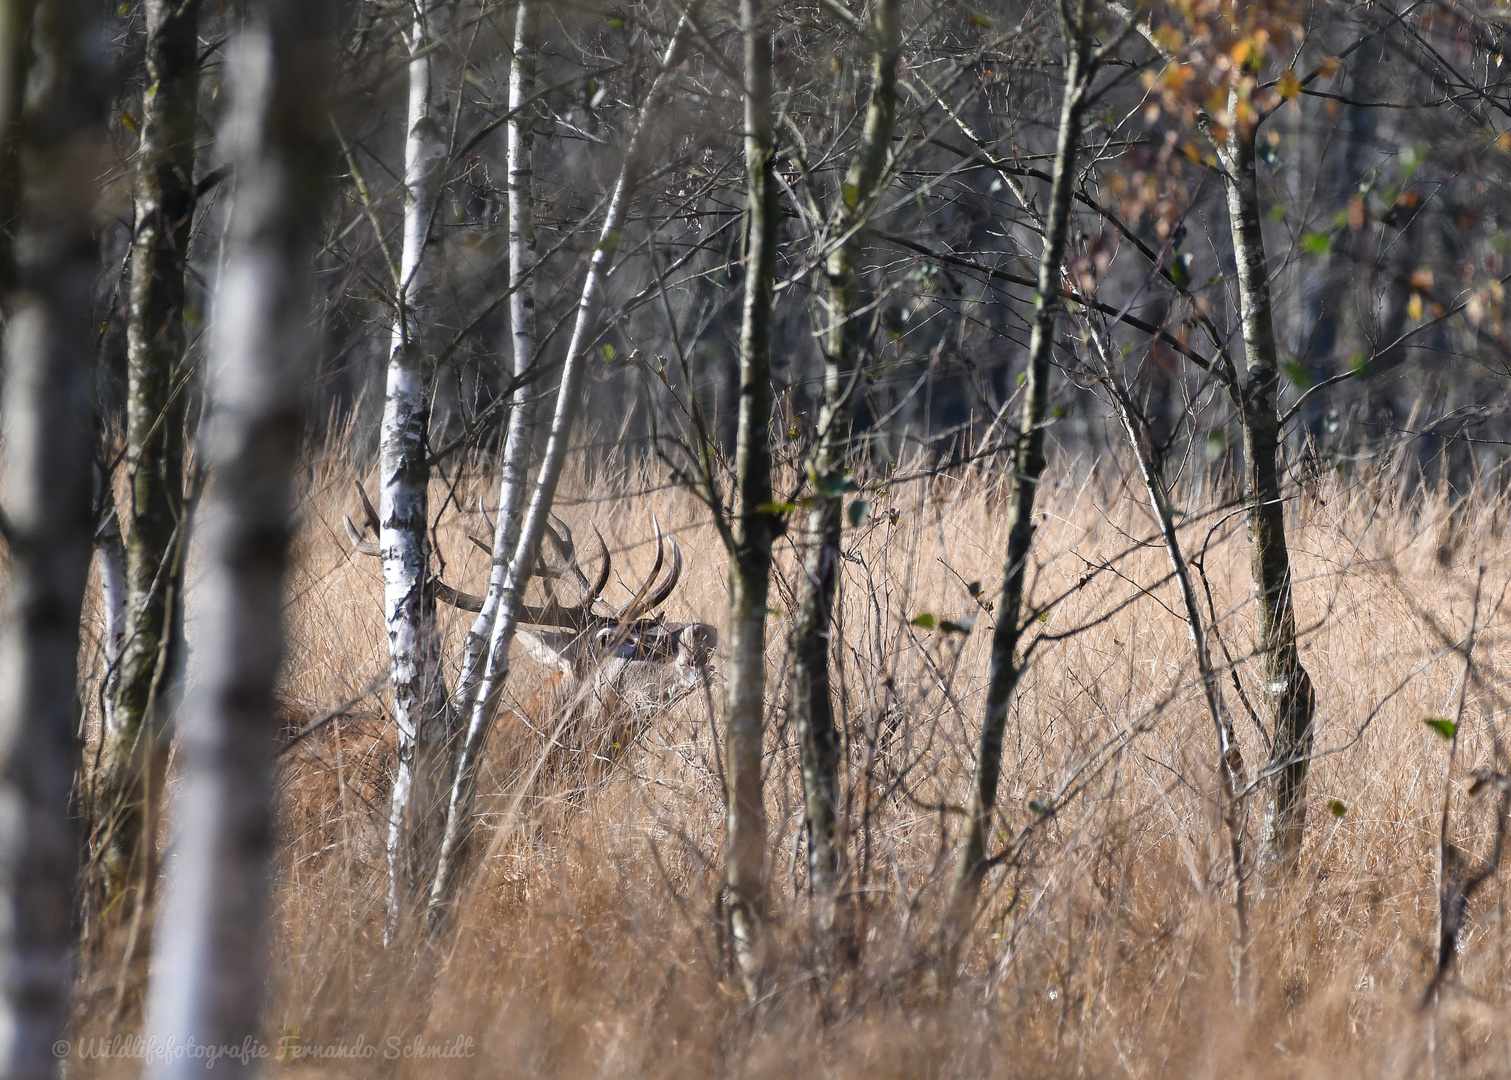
pixel 590 943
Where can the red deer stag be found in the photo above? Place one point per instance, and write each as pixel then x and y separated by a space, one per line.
pixel 617 667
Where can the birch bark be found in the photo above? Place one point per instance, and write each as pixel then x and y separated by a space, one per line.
pixel 135 745
pixel 1288 687
pixel 484 700
pixel 207 978
pixel 46 408
pixel 404 504
pixel 110 552
pixel 756 524
pixel 514 482
pixel 813 708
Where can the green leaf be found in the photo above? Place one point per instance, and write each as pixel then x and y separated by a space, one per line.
pixel 616 23
pixel 1359 362
pixel 1297 374
pixel 1336 808
pixel 851 194
pixel 925 620
pixel 1044 616
pixel 609 352
pixel 857 512
pixel 1443 726
pixel 1316 243
pixel 963 625
pixel 777 508
pixel 1022 377
pixel 609 241
pixel 1180 270
pixel 1057 413
pixel 1277 212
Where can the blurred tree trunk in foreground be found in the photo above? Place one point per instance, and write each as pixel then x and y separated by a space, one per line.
pixel 207 981
pixel 47 409
pixel 15 30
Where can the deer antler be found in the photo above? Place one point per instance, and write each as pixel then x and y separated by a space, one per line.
pixel 645 599
pixel 364 547
pixel 367 508
pixel 553 613
pixel 657 598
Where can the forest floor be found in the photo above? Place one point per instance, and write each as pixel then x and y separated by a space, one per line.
pixel 590 941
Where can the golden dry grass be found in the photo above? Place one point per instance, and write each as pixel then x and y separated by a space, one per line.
pixel 590 941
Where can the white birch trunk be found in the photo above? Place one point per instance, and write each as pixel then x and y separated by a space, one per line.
pixel 404 503
pixel 208 966
pixel 45 471
pixel 484 700
pixel 110 551
pixel 745 831
pixel 515 474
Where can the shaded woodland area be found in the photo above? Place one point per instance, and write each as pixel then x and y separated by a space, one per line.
pixel 728 539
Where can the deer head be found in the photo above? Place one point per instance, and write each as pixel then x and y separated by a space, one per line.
pixel 644 660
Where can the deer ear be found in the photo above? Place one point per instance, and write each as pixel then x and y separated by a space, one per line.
pixel 550 647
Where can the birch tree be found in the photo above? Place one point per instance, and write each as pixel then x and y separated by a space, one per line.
pixel 755 520
pixel 973 859
pixel 46 410
pixel 812 694
pixel 134 751
pixel 207 979
pixel 1255 393
pixel 483 698
pixel 414 648
pixel 514 480
pixel 1288 687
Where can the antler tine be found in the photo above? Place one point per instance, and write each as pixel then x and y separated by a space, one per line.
pixel 479 542
pixel 566 555
pixel 633 608
pixel 657 598
pixel 363 547
pixel 603 572
pixel 562 618
pixel 367 509
pixel 455 597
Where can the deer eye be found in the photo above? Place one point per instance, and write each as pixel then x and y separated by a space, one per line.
pixel 618 643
